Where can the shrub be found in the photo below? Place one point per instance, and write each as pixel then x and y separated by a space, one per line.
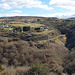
pixel 39 69
pixel 1 68
pixel 5 61
pixel 26 28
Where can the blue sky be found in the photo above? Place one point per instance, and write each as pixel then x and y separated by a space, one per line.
pixel 44 8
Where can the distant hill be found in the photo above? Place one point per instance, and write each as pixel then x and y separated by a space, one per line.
pixel 23 18
pixel 72 18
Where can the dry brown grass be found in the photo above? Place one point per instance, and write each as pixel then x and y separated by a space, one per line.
pixel 15 70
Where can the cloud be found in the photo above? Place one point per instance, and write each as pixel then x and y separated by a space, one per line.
pixel 59 15
pixel 25 3
pixel 16 11
pixel 12 14
pixel 68 4
pixel 5 6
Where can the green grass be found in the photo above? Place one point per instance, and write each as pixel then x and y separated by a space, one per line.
pixel 27 24
pixel 52 38
pixel 8 28
pixel 44 32
pixel 57 37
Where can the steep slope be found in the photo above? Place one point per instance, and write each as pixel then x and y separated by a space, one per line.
pixel 14 51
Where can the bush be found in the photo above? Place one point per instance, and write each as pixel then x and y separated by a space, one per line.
pixel 1 68
pixel 39 69
pixel 26 28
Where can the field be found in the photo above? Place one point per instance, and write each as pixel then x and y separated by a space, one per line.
pixel 8 28
pixel 26 24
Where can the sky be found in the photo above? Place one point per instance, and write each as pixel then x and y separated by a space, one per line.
pixel 43 8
